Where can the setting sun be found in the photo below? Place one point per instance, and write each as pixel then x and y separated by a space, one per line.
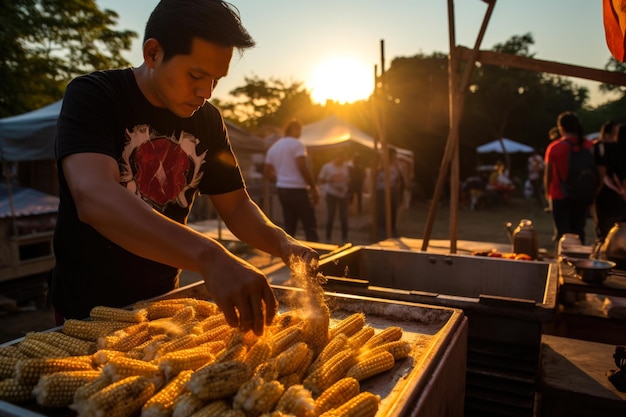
pixel 343 80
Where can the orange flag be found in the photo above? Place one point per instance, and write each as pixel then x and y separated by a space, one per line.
pixel 614 15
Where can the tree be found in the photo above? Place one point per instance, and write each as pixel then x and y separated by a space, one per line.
pixel 46 43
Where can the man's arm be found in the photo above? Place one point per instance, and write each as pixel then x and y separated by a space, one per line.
pixel 238 288
pixel 303 167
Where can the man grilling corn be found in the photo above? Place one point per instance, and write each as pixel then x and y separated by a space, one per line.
pixel 134 147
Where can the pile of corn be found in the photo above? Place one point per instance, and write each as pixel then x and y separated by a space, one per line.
pixel 180 358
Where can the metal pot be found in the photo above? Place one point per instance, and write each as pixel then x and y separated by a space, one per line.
pixel 614 247
pixel 591 270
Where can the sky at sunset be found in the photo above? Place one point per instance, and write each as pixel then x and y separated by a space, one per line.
pixel 306 41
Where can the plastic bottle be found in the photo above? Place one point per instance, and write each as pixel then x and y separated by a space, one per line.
pixel 525 239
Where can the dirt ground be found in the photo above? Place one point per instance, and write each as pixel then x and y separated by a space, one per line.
pixel 484 225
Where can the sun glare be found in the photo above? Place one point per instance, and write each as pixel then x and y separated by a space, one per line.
pixel 343 80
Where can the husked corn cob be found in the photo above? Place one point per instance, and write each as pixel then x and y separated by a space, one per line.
pixel 390 334
pixel 236 352
pixel 38 349
pixel 29 371
pixel 163 309
pixel 289 380
pixel 73 345
pixel 287 319
pixel 87 390
pixel 205 308
pixel 361 337
pixel 400 349
pixel 121 367
pixel 187 341
pixel 364 404
pixel 103 356
pixel 187 404
pixel 367 367
pixel 7 367
pixel 230 413
pixel 348 326
pixel 330 372
pixel 337 394
pixel 90 330
pixel 162 403
pixel 11 351
pixel 316 327
pixel 147 350
pixel 124 343
pixel 219 333
pixel 257 396
pixel 292 359
pixel 172 363
pixel 212 322
pixel 212 409
pixel 58 389
pixel 120 399
pixel 266 370
pixel 296 401
pixel 15 391
pixel 104 313
pixel 305 365
pixel 183 316
pixel 336 345
pixel 218 380
pixel 259 352
pixel 285 338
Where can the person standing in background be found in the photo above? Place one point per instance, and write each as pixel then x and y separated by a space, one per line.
pixel 609 206
pixel 535 176
pixel 396 183
pixel 286 163
pixel 357 178
pixel 569 215
pixel 335 180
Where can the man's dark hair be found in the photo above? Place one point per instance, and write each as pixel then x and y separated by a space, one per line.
pixel 175 23
pixel 569 122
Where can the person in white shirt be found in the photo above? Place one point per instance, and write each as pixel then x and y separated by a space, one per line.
pixel 286 164
pixel 335 180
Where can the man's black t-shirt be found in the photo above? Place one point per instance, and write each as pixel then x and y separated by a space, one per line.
pixel 164 159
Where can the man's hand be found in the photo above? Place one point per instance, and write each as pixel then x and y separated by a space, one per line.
pixel 241 291
pixel 297 256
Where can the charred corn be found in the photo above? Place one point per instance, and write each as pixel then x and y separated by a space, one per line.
pixel 187 404
pixel 37 349
pixel 90 330
pixel 58 389
pixel 330 372
pixel 257 396
pixel 296 401
pixel 121 367
pixel 235 352
pixel 103 313
pixel 337 394
pixel 390 334
pixel 289 380
pixel 348 326
pixel 73 345
pixel 29 371
pixel 87 390
pixel 364 404
pixel 212 409
pixel 218 380
pixel 172 363
pixel 15 391
pixel 369 366
pixel 162 403
pixel 120 399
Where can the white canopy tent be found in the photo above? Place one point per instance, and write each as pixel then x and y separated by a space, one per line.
pixel 504 145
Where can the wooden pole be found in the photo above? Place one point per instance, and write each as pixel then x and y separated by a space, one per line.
pixel 372 179
pixel 454 171
pixel 452 141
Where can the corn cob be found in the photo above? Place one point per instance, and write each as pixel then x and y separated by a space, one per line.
pixel 147 350
pixel 162 309
pixel 218 380
pixel 232 413
pixel 296 401
pixel 38 349
pixel 131 329
pixel 316 328
pixel 400 349
pixel 259 352
pixel 266 370
pixel 305 365
pixel 361 337
pixel 73 345
pixel 11 351
pixel 187 341
pixel 103 356
pixel 236 352
pixel 90 330
pixel 287 319
pixel 14 391
pixel 256 396
pixel 290 379
pixel 214 334
pixel 85 391
pixel 172 363
pixel 120 399
pixel 287 337
pixel 7 367
pixel 330 372
pixel 124 343
pixel 336 345
pixel 292 359
pixel 183 316
pixel 103 313
pixel 370 366
pixel 205 308
pixel 364 404
pixel 58 389
pixel 29 371
pixel 162 403
pixel 337 394
pixel 212 409
pixel 348 326
pixel 390 334
pixel 121 367
pixel 187 404
pixel 212 322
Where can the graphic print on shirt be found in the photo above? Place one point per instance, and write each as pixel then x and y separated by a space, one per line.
pixel 159 168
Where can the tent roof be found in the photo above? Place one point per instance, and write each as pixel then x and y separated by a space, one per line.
pixel 30 136
pixel 26 202
pixel 510 145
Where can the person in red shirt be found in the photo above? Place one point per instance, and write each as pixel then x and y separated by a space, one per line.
pixel 569 215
